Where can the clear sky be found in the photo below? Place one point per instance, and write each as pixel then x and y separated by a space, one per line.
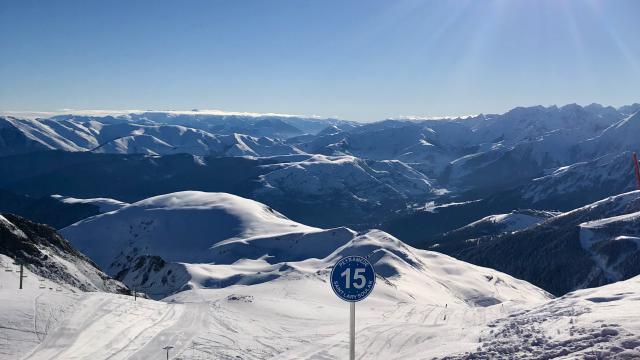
pixel 362 60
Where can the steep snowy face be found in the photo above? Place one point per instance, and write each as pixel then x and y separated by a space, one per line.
pixel 50 257
pixel 179 226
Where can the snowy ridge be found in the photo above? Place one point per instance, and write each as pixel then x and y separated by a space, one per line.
pixel 104 204
pixel 606 173
pixel 132 138
pixel 515 220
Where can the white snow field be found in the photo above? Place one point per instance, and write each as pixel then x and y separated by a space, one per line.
pixel 435 308
pixel 241 281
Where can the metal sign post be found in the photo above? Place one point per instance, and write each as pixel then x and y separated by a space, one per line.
pixel 352 279
pixel 352 332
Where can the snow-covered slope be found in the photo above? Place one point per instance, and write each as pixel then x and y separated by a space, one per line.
pixel 614 243
pixel 50 257
pixel 263 293
pixel 597 323
pixel 432 144
pixel 180 226
pixel 523 123
pixel 589 246
pixel 267 296
pixel 298 317
pixel 345 177
pixel 619 137
pixel 566 185
pixel 495 225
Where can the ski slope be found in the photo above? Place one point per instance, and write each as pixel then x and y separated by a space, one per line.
pixel 300 318
pixel 294 317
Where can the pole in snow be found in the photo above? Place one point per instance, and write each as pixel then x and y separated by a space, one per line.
pixel 352 332
pixel 167 348
pixel 637 169
pixel 22 275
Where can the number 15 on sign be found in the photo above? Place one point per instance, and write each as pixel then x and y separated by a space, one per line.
pixel 352 280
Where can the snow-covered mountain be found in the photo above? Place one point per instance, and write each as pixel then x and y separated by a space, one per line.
pixel 619 137
pixel 570 186
pixel 219 122
pixel 544 158
pixel 27 135
pixel 344 176
pixel 177 227
pixel 210 240
pixel 49 257
pixel 589 246
pixel 495 225
pixel 427 145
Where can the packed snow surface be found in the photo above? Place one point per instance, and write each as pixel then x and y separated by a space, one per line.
pixel 424 304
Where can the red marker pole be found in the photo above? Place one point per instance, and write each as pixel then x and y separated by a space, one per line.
pixel 637 167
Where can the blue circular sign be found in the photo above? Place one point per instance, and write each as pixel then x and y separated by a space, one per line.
pixel 353 278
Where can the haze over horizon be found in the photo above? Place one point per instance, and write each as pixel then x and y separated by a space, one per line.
pixel 359 60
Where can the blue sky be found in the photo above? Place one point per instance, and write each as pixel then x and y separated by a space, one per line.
pixel 362 60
